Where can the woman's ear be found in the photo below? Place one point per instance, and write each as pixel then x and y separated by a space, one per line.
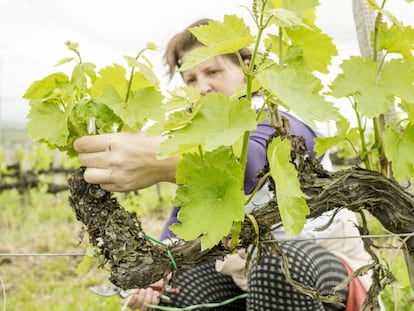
pixel 246 62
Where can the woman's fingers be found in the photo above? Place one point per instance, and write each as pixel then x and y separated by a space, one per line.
pixel 142 298
pixel 95 143
pixel 94 175
pixel 96 159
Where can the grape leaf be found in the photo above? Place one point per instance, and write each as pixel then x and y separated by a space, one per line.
pixel 299 91
pixel 323 144
pixel 318 48
pixel 80 73
pixel 286 18
pixel 290 198
pixel 45 87
pixel 399 149
pixel 398 75
pixel 219 122
pixel 211 197
pixel 40 117
pixel 299 6
pixel 347 140
pixel 219 38
pixel 50 103
pixel 408 108
pixel 397 39
pixel 143 104
pixel 87 109
pixel 180 108
pixel 374 95
pixel 110 75
pixel 183 97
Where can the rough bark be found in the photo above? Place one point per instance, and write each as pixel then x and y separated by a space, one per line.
pixel 137 261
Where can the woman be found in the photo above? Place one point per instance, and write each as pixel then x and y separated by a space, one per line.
pixel 127 161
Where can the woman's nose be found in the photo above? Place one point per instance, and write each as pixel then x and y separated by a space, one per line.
pixel 204 87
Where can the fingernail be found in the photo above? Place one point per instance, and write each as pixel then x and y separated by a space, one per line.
pixel 164 299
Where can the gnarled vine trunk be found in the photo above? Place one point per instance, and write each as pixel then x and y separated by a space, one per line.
pixel 136 261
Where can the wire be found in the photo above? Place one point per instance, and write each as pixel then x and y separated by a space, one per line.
pixel 282 240
pixel 203 305
pixel 368 236
pixel 169 254
pixel 40 254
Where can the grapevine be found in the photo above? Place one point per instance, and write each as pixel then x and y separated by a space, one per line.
pixel 109 100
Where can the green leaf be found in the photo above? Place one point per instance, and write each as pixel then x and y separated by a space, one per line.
pixel 347 141
pixel 398 75
pixel 89 70
pixel 298 6
pixel 41 117
pixel 113 76
pixel 374 95
pixel 148 103
pixel 143 104
pixel 87 109
pixel 219 38
pixel 399 149
pixel 323 144
pixel 85 265
pixel 211 197
pixel 42 88
pixel 397 39
pixel 373 5
pixel 290 198
pixel 72 46
pixel 299 91
pixel 180 109
pixel 286 18
pixel 408 108
pixel 144 77
pixel 232 29
pixel 149 77
pixel 151 46
pixel 318 48
pixel 78 78
pixel 64 61
pixel 221 121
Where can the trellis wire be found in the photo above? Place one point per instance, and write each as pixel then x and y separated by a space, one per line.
pixel 368 236
pixel 41 254
pixel 282 240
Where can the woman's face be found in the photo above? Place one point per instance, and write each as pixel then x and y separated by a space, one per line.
pixel 218 74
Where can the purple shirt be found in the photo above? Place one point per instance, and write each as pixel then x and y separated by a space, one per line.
pixel 256 157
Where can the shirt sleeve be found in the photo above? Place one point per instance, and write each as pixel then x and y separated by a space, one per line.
pixel 256 157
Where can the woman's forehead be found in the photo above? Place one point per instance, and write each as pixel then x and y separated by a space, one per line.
pixel 217 61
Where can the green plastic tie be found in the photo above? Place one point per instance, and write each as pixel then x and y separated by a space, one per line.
pixel 169 254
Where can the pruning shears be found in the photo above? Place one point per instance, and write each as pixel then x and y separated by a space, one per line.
pixel 112 290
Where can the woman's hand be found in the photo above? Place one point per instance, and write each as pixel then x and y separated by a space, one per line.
pixel 152 294
pixel 141 297
pixel 124 161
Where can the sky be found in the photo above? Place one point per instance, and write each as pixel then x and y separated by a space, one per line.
pixel 32 35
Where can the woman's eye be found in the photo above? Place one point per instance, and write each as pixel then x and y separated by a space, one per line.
pixel 189 81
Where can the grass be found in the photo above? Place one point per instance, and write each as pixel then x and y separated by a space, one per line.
pixel 48 225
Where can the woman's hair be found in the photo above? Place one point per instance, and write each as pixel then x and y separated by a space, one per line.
pixel 184 41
